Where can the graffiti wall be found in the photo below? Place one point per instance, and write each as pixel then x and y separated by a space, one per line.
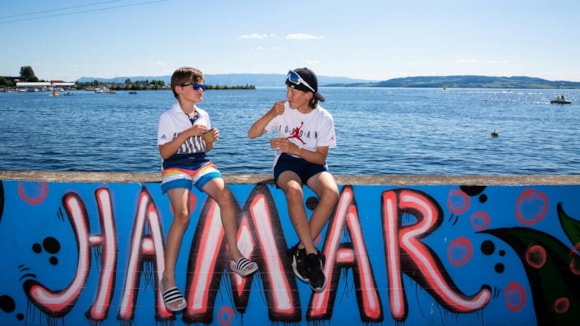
pixel 92 254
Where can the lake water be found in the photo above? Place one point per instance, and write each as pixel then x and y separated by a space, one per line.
pixel 379 131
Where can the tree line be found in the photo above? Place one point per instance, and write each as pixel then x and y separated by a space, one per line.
pixel 127 85
pixel 147 85
pixel 27 75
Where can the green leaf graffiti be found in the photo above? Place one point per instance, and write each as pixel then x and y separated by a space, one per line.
pixel 549 266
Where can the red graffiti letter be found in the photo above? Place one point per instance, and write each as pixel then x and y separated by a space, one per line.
pixel 59 303
pixel 406 253
pixel 144 248
pixel 107 240
pixel 344 255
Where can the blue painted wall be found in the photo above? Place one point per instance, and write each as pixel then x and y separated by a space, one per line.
pixel 90 253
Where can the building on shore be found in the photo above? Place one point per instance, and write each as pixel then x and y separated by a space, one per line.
pixel 42 86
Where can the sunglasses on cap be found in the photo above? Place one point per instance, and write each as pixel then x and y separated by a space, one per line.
pixel 295 79
pixel 196 86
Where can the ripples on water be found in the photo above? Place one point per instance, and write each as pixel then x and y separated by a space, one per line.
pixel 379 131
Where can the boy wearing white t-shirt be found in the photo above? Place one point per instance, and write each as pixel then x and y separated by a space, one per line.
pixel 305 134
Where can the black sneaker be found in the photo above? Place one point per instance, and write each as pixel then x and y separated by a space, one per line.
pixel 298 257
pixel 317 278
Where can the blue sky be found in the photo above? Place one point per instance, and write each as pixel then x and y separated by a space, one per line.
pixel 374 39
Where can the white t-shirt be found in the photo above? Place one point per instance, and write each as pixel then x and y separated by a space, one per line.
pixel 309 131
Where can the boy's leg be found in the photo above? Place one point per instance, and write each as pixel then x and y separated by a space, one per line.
pixel 324 185
pixel 290 183
pixel 217 189
pixel 179 199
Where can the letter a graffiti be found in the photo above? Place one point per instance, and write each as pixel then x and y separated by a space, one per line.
pixel 342 255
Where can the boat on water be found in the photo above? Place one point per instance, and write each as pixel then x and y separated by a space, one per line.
pixel 104 90
pixel 560 100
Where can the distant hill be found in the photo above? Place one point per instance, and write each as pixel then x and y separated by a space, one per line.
pixel 462 81
pixel 476 82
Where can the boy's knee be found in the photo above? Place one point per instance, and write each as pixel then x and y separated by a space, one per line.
pixel 330 196
pixel 224 197
pixel 293 192
pixel 182 217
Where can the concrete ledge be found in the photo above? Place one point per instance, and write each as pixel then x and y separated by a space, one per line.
pixel 126 177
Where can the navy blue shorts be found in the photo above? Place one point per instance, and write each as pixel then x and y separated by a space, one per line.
pixel 304 169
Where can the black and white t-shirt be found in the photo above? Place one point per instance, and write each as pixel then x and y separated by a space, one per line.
pixel 174 121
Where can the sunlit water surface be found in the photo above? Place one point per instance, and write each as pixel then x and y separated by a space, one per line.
pixel 379 131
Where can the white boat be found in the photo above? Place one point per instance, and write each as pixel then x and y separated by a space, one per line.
pixel 104 90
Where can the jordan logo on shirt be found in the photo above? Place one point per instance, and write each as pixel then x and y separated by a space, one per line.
pixel 296 133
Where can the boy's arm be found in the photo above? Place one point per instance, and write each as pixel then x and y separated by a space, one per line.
pixel 259 127
pixel 318 157
pixel 286 146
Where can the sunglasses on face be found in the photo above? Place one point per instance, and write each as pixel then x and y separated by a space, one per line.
pixel 196 86
pixel 295 79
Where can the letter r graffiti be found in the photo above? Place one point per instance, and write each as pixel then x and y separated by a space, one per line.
pixel 406 252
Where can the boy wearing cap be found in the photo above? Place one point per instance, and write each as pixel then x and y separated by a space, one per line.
pixel 305 134
pixel 184 137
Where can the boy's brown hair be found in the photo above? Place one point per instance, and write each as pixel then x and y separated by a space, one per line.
pixel 185 76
